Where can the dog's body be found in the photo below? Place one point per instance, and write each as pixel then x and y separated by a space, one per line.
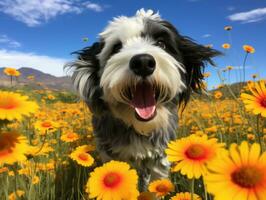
pixel 133 80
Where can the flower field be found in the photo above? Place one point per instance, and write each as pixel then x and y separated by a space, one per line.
pixel 47 148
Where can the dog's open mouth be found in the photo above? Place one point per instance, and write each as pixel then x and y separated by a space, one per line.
pixel 143 100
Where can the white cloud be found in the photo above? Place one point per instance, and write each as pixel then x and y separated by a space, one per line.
pixel 5 40
pixel 93 6
pixel 46 64
pixel 36 12
pixel 249 16
pixel 206 35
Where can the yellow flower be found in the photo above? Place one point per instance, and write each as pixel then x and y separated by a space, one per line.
pixel 14 195
pixel 13 147
pixel 249 49
pixel 191 154
pixel 113 181
pixel 185 196
pixel 161 187
pixel 46 126
pixel 11 173
pixel 250 136
pixel 14 106
pixel 257 101
pixel 238 174
pixel 42 149
pixel 11 71
pixel 226 46
pixel 35 180
pixel 212 129
pixel 81 155
pixel 229 68
pixel 31 77
pixel 50 97
pixel 218 94
pixel 3 169
pixel 69 137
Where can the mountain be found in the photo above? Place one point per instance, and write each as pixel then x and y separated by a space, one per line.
pixel 41 80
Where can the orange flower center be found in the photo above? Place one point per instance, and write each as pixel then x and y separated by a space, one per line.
pixel 263 102
pixel 249 49
pixel 196 152
pixel 162 188
pixel 46 124
pixel 111 179
pixel 7 142
pixel 8 104
pixel 70 135
pixel 83 156
pixel 247 177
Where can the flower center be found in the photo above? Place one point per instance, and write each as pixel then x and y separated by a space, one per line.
pixel 247 177
pixel 70 135
pixel 111 179
pixel 263 102
pixel 196 152
pixel 6 145
pixel 8 104
pixel 46 124
pixel 83 156
pixel 162 188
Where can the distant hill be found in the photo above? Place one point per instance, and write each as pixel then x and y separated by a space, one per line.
pixel 41 80
pixel 44 80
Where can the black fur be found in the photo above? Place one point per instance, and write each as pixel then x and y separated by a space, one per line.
pixel 193 56
pixel 94 92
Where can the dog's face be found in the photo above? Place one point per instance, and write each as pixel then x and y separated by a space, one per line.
pixel 139 65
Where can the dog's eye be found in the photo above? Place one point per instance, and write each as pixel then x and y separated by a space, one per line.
pixel 116 47
pixel 161 44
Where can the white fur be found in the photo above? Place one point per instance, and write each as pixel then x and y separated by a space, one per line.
pixel 117 75
pixel 122 28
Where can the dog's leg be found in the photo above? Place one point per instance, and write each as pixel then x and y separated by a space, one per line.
pixel 144 179
pixel 159 169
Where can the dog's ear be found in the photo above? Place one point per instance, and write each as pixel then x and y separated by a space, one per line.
pixel 86 78
pixel 195 58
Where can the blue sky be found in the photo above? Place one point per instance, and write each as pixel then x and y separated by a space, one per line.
pixel 42 33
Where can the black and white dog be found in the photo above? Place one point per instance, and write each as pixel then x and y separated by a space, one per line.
pixel 133 80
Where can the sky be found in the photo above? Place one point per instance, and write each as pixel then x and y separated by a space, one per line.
pixel 42 33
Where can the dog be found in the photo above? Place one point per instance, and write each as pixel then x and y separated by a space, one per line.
pixel 133 80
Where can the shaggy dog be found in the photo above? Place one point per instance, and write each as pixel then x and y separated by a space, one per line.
pixel 133 80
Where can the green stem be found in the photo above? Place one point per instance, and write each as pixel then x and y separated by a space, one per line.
pixel 244 67
pixel 205 190
pixel 258 129
pixel 192 188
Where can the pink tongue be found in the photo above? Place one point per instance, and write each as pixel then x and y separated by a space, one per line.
pixel 144 100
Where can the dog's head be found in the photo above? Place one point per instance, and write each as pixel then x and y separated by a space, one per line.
pixel 139 65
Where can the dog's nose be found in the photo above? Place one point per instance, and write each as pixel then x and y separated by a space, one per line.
pixel 142 64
